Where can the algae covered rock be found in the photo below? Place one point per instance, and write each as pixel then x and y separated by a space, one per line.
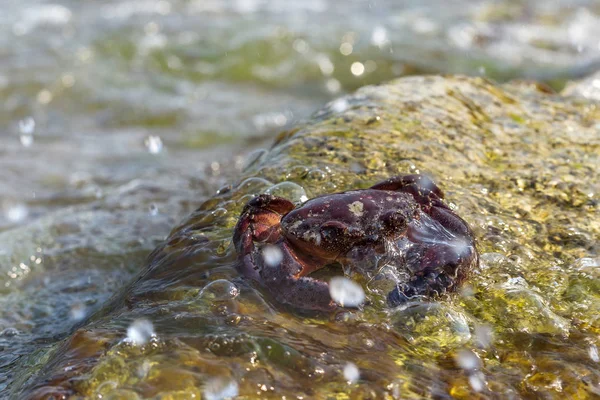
pixel 516 161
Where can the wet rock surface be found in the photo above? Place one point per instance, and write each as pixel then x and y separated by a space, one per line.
pixel 516 161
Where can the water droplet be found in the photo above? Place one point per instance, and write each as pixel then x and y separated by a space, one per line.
pixel 379 36
pixel 477 381
pixel 140 331
pixel 220 389
pixel 17 213
pixel 339 105
pixel 351 372
pixel 333 85
pixel 272 256
pixel 483 335
pixel 467 360
pixel 300 46
pixel 325 64
pixel 26 140
pixel 346 48
pixel 27 126
pixel 78 312
pixel 154 144
pixel 346 292
pixel 357 68
pixel 44 96
pixel 593 351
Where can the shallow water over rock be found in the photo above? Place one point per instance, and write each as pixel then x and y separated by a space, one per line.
pixel 517 163
pixel 121 117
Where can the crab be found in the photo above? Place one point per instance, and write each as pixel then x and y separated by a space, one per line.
pixel 280 245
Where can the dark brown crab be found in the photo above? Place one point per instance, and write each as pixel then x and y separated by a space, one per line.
pixel 437 246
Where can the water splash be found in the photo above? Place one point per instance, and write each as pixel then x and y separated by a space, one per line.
pixel 17 213
pixel 26 129
pixel 140 332
pixel 220 389
pixel 351 373
pixel 346 292
pixel 154 144
pixel 593 352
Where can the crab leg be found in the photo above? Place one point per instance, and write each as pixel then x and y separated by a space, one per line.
pixel 423 189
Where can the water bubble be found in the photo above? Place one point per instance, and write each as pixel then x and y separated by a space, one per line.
pixel 272 256
pixel 357 68
pixel 289 190
pixel 219 290
pixel 140 331
pixel 300 46
pixel 346 48
pixel 154 144
pixel 44 96
pixel 68 80
pixel 220 389
pixel 432 325
pixel 346 292
pixel 325 64
pixel 333 85
pixel 370 66
pixel 351 372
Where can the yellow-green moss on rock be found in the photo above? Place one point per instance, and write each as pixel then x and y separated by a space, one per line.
pixel 519 163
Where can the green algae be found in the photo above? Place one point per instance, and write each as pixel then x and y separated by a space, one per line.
pixel 519 163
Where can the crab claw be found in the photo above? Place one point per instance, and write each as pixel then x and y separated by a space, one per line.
pixel 282 273
pixel 287 282
pixel 259 221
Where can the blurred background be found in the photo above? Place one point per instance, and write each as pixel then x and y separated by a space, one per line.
pixel 118 117
pixel 96 94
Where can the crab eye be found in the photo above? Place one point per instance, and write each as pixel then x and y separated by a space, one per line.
pixel 333 230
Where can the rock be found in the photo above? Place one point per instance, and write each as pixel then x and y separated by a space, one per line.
pixel 517 162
